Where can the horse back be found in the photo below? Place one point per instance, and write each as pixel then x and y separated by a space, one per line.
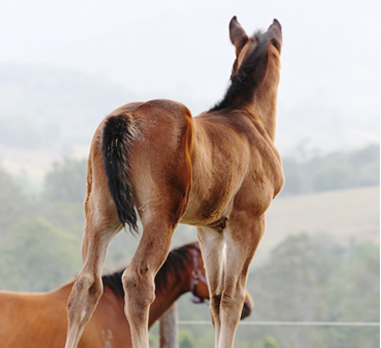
pixel 32 320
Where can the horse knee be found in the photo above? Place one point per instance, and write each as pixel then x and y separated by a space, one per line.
pixel 139 287
pixel 86 286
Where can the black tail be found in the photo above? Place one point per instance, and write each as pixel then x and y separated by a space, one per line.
pixel 116 147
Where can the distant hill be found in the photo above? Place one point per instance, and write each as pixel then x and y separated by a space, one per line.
pixel 48 112
pixel 45 106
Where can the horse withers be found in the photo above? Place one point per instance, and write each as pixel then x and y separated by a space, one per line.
pixel 218 171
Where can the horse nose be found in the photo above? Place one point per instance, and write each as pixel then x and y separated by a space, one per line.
pixel 246 310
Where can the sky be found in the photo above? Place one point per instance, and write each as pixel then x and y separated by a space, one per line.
pixel 329 91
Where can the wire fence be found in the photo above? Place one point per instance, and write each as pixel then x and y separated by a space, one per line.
pixel 285 323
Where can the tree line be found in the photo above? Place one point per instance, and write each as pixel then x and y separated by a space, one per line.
pixel 339 170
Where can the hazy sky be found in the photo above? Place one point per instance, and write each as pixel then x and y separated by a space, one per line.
pixel 177 50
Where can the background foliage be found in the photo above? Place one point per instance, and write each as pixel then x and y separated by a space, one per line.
pixel 334 171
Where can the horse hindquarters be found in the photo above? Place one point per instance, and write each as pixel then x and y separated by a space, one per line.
pixel 160 179
pixel 139 157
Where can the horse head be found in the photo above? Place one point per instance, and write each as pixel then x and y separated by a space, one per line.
pixel 246 46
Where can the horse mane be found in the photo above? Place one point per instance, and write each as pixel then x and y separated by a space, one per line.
pixel 176 261
pixel 249 75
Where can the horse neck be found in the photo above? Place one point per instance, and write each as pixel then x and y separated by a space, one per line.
pixel 263 102
pixel 265 106
pixel 168 293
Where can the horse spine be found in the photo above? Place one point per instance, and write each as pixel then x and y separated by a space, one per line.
pixel 118 133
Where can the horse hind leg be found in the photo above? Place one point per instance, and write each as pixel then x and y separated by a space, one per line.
pixel 101 226
pixel 138 278
pixel 163 203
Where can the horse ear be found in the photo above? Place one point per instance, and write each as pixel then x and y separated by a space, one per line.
pixel 275 31
pixel 238 36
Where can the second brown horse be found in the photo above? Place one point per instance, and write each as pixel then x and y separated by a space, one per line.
pixel 38 320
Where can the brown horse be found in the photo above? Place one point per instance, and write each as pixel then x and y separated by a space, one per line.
pixel 218 171
pixel 38 320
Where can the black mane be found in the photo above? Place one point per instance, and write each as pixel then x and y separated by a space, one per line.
pixel 176 261
pixel 251 72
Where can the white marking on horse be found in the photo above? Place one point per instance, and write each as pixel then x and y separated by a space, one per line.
pixel 107 339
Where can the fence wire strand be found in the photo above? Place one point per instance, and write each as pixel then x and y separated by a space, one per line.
pixel 285 323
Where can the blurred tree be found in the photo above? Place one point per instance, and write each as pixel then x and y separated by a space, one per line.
pixel 153 339
pixel 186 339
pixel 311 278
pixel 66 181
pixel 270 342
pixel 38 256
pixel 369 154
pixel 333 175
pixel 295 177
pixel 366 164
pixel 356 273
pixel 334 171
pixel 297 264
pixel 13 203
